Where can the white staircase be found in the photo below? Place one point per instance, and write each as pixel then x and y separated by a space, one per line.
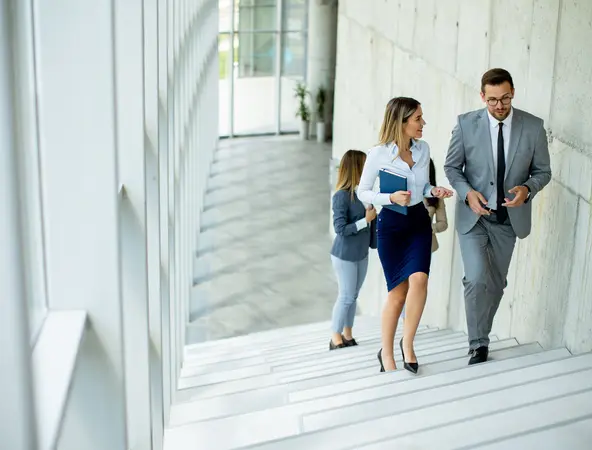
pixel 283 389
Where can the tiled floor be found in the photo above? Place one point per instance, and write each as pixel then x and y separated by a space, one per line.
pixel 263 258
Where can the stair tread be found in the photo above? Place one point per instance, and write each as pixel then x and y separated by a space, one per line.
pixel 262 337
pixel 504 424
pixel 262 374
pixel 413 427
pixel 474 386
pixel 323 377
pixel 232 390
pixel 276 396
pixel 305 352
pixel 305 345
pixel 572 435
pixel 246 429
pixel 500 350
pixel 423 348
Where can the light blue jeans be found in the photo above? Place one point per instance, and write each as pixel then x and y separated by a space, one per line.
pixel 350 276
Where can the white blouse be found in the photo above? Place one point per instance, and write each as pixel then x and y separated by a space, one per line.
pixel 386 157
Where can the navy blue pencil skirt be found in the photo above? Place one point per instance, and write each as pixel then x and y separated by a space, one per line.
pixel 404 243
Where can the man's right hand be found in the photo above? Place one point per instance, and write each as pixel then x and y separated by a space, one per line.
pixel 476 202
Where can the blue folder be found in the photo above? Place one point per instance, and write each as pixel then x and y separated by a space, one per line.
pixel 391 182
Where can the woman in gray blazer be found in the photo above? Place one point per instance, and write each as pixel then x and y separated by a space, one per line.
pixel 356 232
pixel 436 208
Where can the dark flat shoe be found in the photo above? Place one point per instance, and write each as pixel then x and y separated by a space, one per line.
pixel 349 342
pixel 411 367
pixel 379 356
pixel 333 346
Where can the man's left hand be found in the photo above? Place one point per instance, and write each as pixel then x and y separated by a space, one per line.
pixel 521 194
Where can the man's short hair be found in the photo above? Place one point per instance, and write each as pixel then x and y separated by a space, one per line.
pixel 495 77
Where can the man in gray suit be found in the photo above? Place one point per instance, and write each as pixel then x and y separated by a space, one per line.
pixel 497 162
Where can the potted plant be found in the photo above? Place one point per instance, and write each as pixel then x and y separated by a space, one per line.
pixel 303 111
pixel 321 99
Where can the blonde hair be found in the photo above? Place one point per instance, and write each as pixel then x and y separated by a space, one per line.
pixel 398 110
pixel 350 171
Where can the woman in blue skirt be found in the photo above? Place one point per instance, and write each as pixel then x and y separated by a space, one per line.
pixel 404 241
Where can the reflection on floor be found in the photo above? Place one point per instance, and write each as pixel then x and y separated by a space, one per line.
pixel 263 258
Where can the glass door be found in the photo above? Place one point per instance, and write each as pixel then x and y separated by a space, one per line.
pixel 262 54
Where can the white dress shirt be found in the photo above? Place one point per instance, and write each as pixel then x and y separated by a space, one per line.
pixel 361 224
pixel 494 131
pixel 387 157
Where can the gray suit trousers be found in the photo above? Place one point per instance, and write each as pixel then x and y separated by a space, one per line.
pixel 486 251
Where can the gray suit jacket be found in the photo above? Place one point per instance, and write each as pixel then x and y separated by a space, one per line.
pixel 469 164
pixel 351 244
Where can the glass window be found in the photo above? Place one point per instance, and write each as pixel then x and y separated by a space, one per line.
pixel 293 54
pixel 225 60
pixel 256 55
pixel 224 15
pixel 255 96
pixel 256 15
pixel 293 72
pixel 294 15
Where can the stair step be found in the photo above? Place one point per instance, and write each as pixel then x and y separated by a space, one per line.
pixel 309 343
pixel 427 346
pixel 445 425
pixel 275 396
pixel 276 335
pixel 250 428
pixel 370 364
pixel 450 360
pixel 302 351
pixel 572 435
pixel 402 398
pixel 537 416
pixel 262 373
pixel 322 350
pixel 228 405
pixel 256 399
pixel 324 377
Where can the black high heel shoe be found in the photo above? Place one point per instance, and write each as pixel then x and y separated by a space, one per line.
pixel 379 356
pixel 411 367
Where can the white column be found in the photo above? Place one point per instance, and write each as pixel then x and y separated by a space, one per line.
pixel 321 54
pixel 172 194
pixel 163 183
pixel 152 148
pixel 129 81
pixel 17 420
pixel 76 105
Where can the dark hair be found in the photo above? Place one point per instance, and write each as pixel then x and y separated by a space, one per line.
pixel 495 77
pixel 432 201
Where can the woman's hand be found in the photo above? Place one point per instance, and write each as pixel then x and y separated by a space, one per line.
pixel 440 192
pixel 370 213
pixel 402 198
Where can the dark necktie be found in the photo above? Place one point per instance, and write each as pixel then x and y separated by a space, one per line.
pixel 502 212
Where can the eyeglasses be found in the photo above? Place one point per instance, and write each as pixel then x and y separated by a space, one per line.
pixel 505 101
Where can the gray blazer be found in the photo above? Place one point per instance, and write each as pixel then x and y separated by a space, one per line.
pixel 350 244
pixel 469 164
